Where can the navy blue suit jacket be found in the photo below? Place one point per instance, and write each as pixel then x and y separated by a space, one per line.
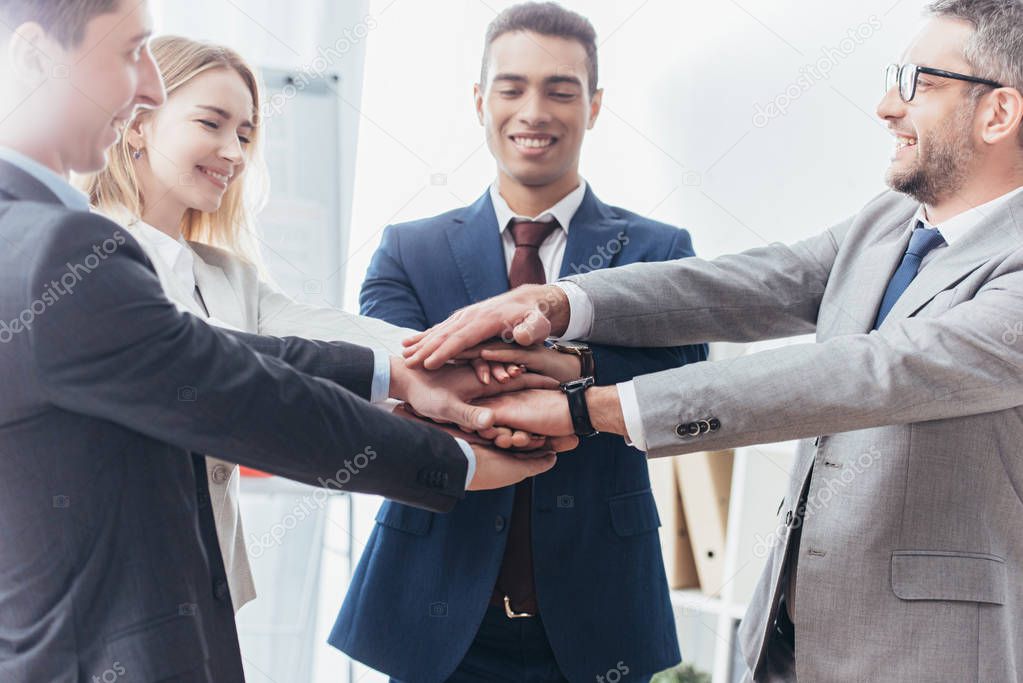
pixel 421 589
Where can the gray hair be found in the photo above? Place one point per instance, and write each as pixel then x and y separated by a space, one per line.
pixel 995 50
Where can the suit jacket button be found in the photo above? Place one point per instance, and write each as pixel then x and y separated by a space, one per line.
pixel 433 478
pixel 220 474
pixel 499 524
pixel 688 430
pixel 221 591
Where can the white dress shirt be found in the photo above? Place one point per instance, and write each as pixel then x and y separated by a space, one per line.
pixel 552 251
pixel 955 228
pixel 580 323
pixel 180 260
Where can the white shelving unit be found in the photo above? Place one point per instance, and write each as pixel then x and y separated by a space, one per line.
pixel 760 475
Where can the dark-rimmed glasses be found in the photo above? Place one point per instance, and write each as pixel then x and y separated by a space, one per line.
pixel 905 76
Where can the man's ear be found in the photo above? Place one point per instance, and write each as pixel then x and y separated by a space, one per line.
pixel 1003 115
pixel 32 54
pixel 477 93
pixel 595 103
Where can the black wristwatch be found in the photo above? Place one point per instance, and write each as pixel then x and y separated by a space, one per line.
pixel 575 391
pixel 583 351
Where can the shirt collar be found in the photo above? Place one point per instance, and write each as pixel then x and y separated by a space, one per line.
pixel 65 192
pixel 955 228
pixel 562 212
pixel 174 253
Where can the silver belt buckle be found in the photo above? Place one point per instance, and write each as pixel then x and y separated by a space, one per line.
pixel 512 614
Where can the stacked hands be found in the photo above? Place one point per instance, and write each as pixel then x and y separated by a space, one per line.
pixel 484 375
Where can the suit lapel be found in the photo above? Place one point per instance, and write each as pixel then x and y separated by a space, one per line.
pixel 475 243
pixel 595 237
pixel 217 292
pixel 876 263
pixel 999 233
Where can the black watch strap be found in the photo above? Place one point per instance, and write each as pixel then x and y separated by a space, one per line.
pixel 588 367
pixel 575 392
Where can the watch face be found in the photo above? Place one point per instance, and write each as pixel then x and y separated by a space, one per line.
pixel 581 382
pixel 573 345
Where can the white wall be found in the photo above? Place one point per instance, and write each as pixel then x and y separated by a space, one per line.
pixel 677 139
pixel 310 36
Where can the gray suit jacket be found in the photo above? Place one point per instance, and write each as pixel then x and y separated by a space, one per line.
pixel 109 562
pixel 910 566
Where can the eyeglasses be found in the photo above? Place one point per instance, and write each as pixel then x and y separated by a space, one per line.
pixel 906 74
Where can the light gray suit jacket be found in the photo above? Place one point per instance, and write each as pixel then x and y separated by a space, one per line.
pixel 910 566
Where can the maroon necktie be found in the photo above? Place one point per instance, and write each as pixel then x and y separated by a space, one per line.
pixel 526 268
pixel 515 579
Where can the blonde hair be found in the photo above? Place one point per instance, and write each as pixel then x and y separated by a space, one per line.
pixel 116 191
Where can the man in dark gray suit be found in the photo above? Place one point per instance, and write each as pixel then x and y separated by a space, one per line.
pixel 109 562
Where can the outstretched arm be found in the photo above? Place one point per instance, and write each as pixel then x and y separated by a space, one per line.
pixel 763 293
pixel 118 350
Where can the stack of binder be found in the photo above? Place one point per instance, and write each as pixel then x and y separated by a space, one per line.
pixel 692 494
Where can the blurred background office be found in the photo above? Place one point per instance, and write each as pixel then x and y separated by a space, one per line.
pixel 747 122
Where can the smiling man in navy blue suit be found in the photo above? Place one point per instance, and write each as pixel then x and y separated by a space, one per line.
pixel 560 578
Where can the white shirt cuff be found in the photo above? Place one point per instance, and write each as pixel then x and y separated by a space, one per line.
pixel 630 412
pixel 381 376
pixel 580 311
pixel 470 455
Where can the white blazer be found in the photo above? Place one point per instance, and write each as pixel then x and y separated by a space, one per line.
pixel 236 297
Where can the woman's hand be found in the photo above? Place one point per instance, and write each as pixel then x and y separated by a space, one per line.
pixel 563 367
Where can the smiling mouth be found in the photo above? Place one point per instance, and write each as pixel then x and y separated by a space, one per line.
pixel 218 178
pixel 532 142
pixel 904 141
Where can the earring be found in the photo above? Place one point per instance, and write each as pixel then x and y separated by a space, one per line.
pixel 137 154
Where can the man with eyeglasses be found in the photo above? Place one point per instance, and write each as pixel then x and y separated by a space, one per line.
pixel 899 553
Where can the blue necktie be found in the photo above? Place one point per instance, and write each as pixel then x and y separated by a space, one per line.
pixel 921 243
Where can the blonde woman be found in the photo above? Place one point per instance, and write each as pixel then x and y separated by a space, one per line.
pixel 176 181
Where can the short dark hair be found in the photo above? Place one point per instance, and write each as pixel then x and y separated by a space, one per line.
pixel 547 19
pixel 65 20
